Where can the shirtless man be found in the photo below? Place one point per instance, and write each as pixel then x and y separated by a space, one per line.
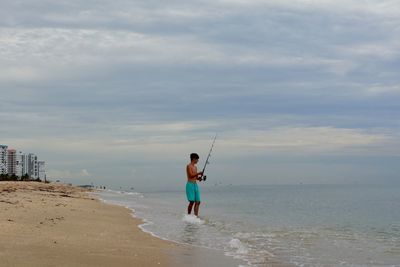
pixel 192 189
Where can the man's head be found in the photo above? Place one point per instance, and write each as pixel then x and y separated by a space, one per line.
pixel 194 157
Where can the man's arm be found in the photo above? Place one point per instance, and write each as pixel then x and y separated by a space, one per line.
pixel 193 174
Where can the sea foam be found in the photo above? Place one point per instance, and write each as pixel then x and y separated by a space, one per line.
pixel 192 219
pixel 239 246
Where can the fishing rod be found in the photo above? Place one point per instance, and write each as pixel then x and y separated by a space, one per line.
pixel 204 177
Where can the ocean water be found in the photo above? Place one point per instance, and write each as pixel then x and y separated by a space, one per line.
pixel 298 225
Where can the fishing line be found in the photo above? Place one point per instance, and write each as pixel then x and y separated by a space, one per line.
pixel 204 177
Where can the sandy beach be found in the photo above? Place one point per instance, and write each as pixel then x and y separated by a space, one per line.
pixel 59 225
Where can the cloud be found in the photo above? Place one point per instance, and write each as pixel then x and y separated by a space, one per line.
pixel 232 141
pixel 19 73
pixel 145 78
pixel 59 52
pixel 385 8
pixel 383 89
pixel 77 40
pixel 307 140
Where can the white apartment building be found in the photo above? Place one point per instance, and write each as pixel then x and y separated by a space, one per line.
pixel 24 164
pixel 3 159
pixel 19 164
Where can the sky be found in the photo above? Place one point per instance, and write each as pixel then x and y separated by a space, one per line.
pixel 119 93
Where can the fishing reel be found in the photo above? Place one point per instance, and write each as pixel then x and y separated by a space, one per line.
pixel 203 178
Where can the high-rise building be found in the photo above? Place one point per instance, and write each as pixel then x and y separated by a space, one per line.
pixel 24 164
pixel 41 170
pixel 32 166
pixel 3 159
pixel 11 161
pixel 19 164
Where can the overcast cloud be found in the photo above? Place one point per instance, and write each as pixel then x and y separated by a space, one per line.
pixel 120 92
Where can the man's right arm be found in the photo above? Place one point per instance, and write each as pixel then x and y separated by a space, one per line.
pixel 193 174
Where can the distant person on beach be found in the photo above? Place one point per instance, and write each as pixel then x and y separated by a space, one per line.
pixel 192 189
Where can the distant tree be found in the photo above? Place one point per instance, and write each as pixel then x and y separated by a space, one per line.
pixel 25 177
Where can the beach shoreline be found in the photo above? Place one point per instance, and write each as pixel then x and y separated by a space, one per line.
pixel 61 225
pixel 178 228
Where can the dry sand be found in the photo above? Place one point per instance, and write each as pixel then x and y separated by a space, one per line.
pixel 59 225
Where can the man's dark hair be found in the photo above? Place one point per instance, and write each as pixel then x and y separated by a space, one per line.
pixel 194 156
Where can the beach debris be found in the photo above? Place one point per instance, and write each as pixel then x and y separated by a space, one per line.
pixel 9 202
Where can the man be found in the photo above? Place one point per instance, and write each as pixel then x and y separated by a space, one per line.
pixel 192 189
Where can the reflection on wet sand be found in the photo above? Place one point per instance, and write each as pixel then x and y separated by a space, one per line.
pixel 190 233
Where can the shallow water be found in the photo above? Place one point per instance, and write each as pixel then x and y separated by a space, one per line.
pixel 302 225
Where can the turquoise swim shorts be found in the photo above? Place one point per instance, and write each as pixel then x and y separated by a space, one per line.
pixel 192 192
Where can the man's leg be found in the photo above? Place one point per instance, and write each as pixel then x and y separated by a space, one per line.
pixel 190 207
pixel 196 208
